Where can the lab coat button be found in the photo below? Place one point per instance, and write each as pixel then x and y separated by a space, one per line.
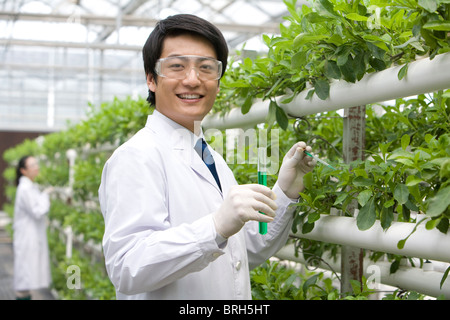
pixel 216 255
pixel 238 265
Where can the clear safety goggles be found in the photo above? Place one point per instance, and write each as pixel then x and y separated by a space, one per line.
pixel 179 67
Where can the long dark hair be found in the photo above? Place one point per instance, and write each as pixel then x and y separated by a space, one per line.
pixel 176 25
pixel 20 165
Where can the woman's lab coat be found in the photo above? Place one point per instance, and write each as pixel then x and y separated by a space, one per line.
pixel 157 198
pixel 31 258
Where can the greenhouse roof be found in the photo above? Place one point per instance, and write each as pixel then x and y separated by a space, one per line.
pixel 58 55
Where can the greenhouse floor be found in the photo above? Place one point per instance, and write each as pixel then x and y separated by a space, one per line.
pixel 6 267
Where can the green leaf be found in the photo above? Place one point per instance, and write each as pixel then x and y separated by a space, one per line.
pixel 356 17
pixel 313 217
pixel 271 115
pixel 332 70
pixel 429 5
pixel 431 224
pixel 306 197
pixel 322 89
pixel 412 181
pixel 386 217
pixel 308 180
pixel 444 277
pixel 307 227
pixel 401 193
pixel 340 198
pixel 377 64
pixel 406 162
pixel 437 25
pixel 238 84
pixel 245 108
pixel 309 94
pixel 375 49
pixel 445 169
pixel 281 117
pixel 348 70
pixel 309 282
pixel 395 265
pixel 364 196
pixel 298 60
pixel 367 215
pixel 359 64
pixel 389 203
pixel 329 7
pixel 443 225
pixel 288 283
pixel 362 182
pixel 402 72
pixel 405 141
pixel 304 38
pixel 439 203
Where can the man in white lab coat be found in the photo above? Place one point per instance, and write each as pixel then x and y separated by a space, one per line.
pixel 177 227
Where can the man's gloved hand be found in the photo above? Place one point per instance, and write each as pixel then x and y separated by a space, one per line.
pixel 295 165
pixel 242 204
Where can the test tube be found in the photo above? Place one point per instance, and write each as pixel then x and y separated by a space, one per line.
pixel 320 160
pixel 262 179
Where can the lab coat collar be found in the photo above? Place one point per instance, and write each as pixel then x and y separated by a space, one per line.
pixel 179 136
pixel 25 181
pixel 181 141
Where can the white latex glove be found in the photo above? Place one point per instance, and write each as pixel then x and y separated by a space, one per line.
pixel 242 204
pixel 295 165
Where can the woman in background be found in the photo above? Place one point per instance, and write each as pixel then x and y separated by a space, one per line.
pixel 31 259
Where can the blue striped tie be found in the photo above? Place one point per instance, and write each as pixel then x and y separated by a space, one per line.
pixel 208 160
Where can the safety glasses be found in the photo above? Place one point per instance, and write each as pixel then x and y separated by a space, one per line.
pixel 179 67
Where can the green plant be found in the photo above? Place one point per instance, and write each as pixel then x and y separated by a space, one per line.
pixel 93 278
pixel 274 281
pixel 335 39
pixel 397 178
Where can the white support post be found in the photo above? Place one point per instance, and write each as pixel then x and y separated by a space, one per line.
pixel 353 144
pixel 69 241
pixel 71 155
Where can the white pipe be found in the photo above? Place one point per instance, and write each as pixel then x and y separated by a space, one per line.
pixel 406 277
pixel 423 243
pixel 423 76
pixel 235 118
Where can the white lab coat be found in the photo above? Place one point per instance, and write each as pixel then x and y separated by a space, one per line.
pixel 31 258
pixel 157 198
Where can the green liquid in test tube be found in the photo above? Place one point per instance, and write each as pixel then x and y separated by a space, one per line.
pixel 262 179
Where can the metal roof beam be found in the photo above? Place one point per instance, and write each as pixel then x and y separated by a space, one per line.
pixel 131 7
pixel 129 20
pixel 62 44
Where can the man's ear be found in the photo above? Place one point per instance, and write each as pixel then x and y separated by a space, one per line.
pixel 151 84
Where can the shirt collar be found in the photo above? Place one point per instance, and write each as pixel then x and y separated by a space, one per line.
pixel 179 135
pixel 25 180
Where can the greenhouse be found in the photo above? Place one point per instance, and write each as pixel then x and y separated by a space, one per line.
pixel 364 84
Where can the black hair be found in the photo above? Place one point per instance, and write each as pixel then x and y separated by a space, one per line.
pixel 20 165
pixel 177 25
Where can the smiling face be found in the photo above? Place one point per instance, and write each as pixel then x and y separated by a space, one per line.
pixel 188 100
